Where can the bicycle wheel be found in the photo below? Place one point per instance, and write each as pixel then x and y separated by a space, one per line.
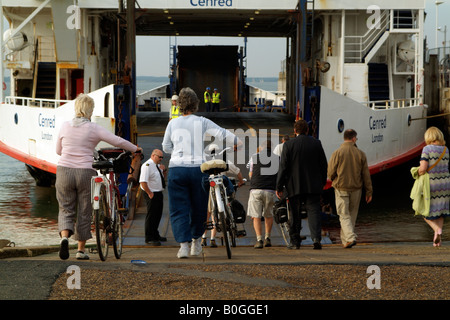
pixel 232 227
pixel 117 230
pixel 102 225
pixel 129 201
pixel 225 233
pixel 285 231
pixel 285 226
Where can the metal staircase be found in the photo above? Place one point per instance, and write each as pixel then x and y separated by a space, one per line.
pixel 46 80
pixel 357 48
pixel 360 49
pixel 378 82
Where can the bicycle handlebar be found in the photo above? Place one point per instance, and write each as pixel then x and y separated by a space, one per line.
pixel 141 153
pixel 235 182
pixel 98 154
pixel 224 150
pixel 124 154
pixel 213 152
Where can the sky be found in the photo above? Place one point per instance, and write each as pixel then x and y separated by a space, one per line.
pixel 264 55
pixel 443 20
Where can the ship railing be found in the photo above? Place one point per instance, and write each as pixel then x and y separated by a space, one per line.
pixel 356 47
pixel 393 104
pixel 35 102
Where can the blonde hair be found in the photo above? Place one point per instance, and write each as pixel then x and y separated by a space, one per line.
pixel 84 106
pixel 433 134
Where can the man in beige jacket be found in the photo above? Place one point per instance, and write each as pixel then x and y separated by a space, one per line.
pixel 349 172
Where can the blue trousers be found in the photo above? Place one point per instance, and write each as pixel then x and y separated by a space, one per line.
pixel 188 202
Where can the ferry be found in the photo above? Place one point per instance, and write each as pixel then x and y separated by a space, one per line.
pixel 349 64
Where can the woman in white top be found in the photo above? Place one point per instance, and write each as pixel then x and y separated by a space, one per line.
pixel 188 200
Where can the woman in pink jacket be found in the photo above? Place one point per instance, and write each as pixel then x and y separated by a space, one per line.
pixel 76 144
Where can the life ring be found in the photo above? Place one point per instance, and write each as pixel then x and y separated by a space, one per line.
pixel 4 85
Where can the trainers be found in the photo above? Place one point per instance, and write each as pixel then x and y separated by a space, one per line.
pixel 64 249
pixel 196 247
pixel 212 243
pixel 267 243
pixel 183 252
pixel 204 244
pixel 82 256
pixel 259 244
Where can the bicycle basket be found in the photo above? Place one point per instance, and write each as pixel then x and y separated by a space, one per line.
pixel 122 165
pixel 119 166
pixel 238 211
pixel 280 213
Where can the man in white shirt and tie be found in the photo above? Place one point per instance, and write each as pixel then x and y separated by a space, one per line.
pixel 152 182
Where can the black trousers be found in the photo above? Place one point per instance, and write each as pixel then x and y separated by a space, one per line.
pixel 154 214
pixel 311 203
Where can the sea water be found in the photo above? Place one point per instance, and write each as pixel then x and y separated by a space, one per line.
pixel 28 213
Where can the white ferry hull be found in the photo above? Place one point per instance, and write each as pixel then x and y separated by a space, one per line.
pixel 359 52
pixel 29 133
pixel 389 137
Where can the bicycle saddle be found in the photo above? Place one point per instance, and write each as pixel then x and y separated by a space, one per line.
pixel 102 164
pixel 214 166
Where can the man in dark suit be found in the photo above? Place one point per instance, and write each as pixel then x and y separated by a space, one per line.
pixel 303 172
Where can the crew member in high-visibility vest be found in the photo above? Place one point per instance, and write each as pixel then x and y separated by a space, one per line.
pixel 207 96
pixel 175 109
pixel 215 100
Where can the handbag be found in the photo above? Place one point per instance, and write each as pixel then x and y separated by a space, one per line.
pixel 442 155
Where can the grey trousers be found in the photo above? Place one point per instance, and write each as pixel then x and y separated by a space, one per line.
pixel 73 192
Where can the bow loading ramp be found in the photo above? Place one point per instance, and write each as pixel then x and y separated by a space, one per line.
pixel 198 68
pixel 92 45
pixel 97 39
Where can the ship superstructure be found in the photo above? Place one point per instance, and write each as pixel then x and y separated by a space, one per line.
pixel 349 64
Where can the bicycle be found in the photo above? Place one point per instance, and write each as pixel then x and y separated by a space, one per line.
pixel 221 213
pixel 282 216
pixel 109 209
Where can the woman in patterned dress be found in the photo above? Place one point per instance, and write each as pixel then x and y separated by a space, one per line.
pixel 439 180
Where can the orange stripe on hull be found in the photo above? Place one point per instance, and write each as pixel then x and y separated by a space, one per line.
pixel 26 158
pixel 379 167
